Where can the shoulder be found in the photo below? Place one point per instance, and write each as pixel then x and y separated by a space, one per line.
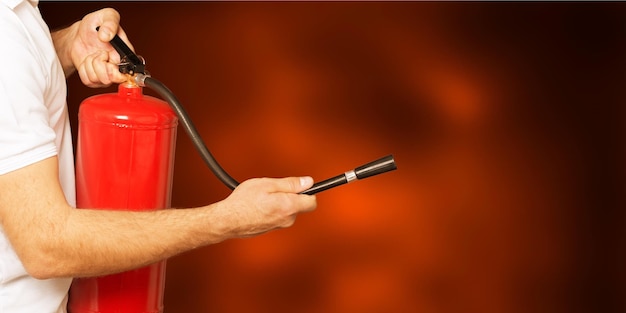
pixel 22 48
pixel 12 4
pixel 25 130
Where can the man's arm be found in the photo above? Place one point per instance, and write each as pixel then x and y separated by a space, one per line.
pixel 54 240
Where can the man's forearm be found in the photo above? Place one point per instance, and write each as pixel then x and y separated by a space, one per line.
pixel 99 242
pixel 52 239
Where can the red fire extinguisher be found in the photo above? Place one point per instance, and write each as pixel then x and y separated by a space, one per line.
pixel 124 161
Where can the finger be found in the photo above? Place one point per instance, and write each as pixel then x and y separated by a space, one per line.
pixel 109 24
pixel 114 73
pixel 91 70
pixel 109 27
pixel 86 70
pixel 305 182
pixel 292 184
pixel 308 203
pixel 101 70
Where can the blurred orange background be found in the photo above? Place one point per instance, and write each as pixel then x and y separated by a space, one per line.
pixel 506 121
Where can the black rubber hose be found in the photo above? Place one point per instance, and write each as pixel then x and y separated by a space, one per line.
pixel 376 167
pixel 191 131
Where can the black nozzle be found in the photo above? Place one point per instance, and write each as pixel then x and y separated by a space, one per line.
pixel 379 166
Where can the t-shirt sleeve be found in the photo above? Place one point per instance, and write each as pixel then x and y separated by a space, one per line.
pixel 26 135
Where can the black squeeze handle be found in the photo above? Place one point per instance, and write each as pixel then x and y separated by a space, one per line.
pixel 379 166
pixel 130 63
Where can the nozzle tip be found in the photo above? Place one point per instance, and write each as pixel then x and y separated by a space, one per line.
pixel 382 165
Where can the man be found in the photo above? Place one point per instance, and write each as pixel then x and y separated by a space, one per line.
pixel 44 241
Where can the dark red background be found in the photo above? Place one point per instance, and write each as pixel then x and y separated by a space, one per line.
pixel 506 121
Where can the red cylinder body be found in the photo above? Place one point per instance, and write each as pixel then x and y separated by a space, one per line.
pixel 124 161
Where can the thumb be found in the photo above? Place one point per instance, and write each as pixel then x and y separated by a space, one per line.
pixel 105 34
pixel 109 22
pixel 294 184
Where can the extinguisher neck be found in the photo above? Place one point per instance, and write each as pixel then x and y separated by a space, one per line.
pixel 130 91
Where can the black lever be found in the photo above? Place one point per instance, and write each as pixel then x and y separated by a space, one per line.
pixel 130 63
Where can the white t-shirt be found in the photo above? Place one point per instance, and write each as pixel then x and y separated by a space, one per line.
pixel 34 125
